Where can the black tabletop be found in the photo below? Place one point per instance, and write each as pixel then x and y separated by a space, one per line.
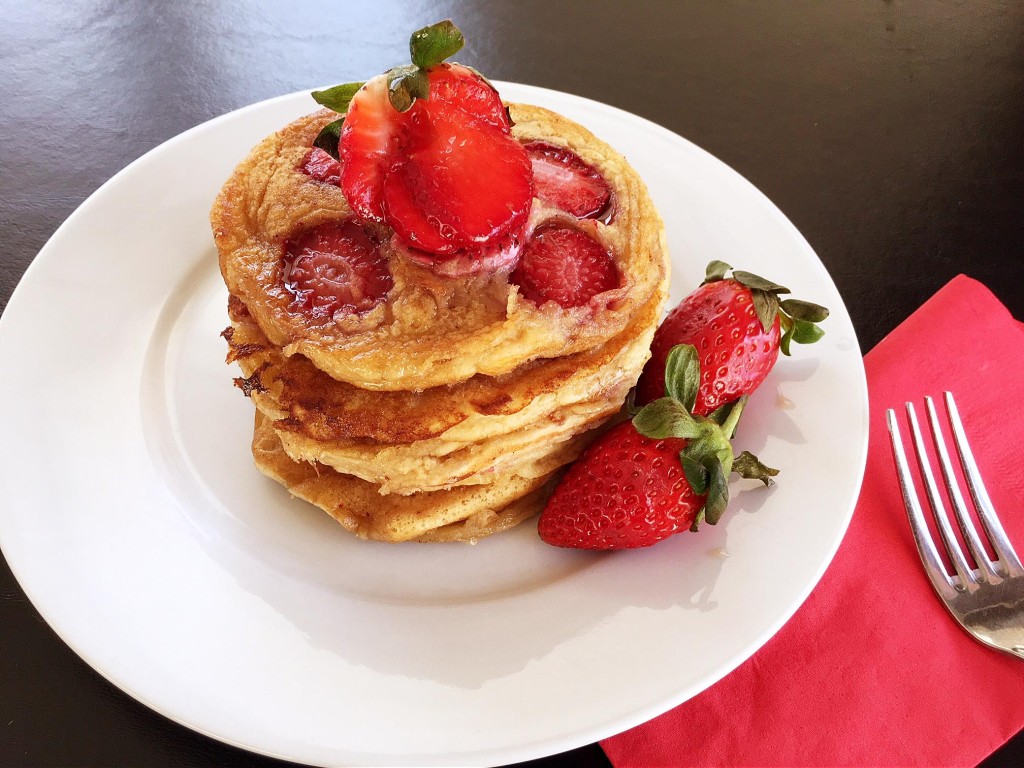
pixel 890 133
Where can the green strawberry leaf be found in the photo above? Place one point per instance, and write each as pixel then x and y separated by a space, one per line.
pixel 721 413
pixel 718 492
pixel 731 418
pixel 716 271
pixel 707 460
pixel 695 525
pixel 696 474
pixel 748 466
pixel 804 310
pixel 432 45
pixel 682 374
pixel 766 305
pixel 337 98
pixel 703 447
pixel 805 332
pixel 405 85
pixel 788 329
pixel 666 418
pixel 329 136
pixel 757 283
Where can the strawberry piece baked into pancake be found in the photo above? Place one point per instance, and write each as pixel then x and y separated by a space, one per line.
pixel 433 291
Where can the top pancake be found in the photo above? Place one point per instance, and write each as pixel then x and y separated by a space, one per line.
pixel 430 330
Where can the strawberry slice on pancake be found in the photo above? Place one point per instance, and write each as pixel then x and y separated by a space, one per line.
pixel 445 174
pixel 336 267
pixel 469 182
pixel 461 86
pixel 367 148
pixel 320 166
pixel 565 180
pixel 500 256
pixel 563 264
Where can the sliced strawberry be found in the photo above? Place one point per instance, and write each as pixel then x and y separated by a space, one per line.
pixel 564 264
pixel 320 166
pixel 463 183
pixel 366 148
pixel 462 87
pixel 335 267
pixel 411 224
pixel 564 180
pixel 445 174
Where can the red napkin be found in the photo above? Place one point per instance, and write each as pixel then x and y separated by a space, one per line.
pixel 872 670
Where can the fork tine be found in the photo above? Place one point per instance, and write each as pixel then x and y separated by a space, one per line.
pixel 956 555
pixel 986 512
pixel 986 569
pixel 925 546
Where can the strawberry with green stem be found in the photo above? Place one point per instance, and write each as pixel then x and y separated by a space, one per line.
pixel 415 142
pixel 644 480
pixel 738 325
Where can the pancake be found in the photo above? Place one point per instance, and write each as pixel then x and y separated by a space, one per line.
pixel 445 409
pixel 434 465
pixel 430 330
pixel 461 514
pixel 459 434
pixel 313 405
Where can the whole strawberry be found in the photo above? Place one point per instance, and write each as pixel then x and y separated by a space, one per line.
pixel 624 478
pixel 738 326
pixel 647 479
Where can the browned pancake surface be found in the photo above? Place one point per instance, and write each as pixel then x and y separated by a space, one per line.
pixel 312 404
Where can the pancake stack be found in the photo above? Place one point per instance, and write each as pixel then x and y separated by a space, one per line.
pixel 445 411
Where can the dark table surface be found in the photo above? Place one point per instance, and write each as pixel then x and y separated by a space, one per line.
pixel 890 133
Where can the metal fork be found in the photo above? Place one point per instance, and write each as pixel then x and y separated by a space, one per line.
pixel 987 600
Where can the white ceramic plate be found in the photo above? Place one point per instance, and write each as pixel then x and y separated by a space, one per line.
pixel 134 519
